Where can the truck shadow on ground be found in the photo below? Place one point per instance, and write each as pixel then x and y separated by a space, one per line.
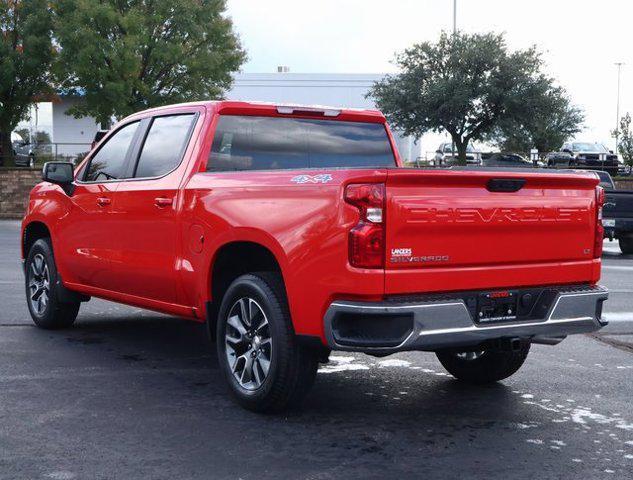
pixel 175 345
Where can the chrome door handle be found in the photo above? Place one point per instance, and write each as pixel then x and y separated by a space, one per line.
pixel 103 201
pixel 162 202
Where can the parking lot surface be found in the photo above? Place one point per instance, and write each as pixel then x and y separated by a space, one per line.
pixel 131 394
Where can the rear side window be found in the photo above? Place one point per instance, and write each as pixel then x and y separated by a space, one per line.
pixel 109 162
pixel 272 143
pixel 605 180
pixel 164 145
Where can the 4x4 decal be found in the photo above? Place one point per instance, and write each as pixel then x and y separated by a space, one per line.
pixel 321 178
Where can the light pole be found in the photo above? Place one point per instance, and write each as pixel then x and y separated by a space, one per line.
pixel 617 109
pixel 454 32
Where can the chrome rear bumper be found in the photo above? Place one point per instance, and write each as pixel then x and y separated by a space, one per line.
pixel 432 324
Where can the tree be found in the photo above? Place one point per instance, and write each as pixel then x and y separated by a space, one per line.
pixel 625 143
pixel 545 122
pixel 127 55
pixel 39 136
pixel 463 84
pixel 23 132
pixel 26 54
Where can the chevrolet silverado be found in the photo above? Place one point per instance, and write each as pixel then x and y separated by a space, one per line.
pixel 293 231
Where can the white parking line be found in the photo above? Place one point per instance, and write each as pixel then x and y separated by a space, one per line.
pixel 617 267
pixel 618 316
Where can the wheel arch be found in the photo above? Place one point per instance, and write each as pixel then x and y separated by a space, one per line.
pixel 32 232
pixel 231 260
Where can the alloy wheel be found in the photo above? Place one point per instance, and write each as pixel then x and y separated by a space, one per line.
pixel 470 356
pixel 248 343
pixel 39 284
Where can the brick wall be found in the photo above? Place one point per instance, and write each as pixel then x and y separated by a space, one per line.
pixel 15 185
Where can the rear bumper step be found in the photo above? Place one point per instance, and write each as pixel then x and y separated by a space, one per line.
pixel 432 323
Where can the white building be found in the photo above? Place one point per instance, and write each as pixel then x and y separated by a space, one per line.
pixel 71 135
pixel 74 135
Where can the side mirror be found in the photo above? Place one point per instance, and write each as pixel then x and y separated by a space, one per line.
pixel 438 151
pixel 59 173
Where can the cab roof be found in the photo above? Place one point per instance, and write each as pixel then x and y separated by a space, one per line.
pixel 234 107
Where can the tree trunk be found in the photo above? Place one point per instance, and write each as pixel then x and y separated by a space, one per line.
pixel 460 146
pixel 6 148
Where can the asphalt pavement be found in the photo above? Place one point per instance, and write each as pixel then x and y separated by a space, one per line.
pixel 131 394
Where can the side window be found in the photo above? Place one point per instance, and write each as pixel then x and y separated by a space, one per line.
pixel 109 162
pixel 164 145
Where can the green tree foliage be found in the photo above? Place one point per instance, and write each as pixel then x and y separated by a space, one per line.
pixel 128 55
pixel 23 132
pixel 26 54
pixel 546 122
pixel 625 143
pixel 467 85
pixel 39 137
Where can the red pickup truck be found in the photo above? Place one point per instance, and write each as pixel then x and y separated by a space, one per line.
pixel 293 231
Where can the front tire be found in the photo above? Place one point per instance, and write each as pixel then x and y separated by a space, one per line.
pixel 626 245
pixel 265 367
pixel 42 296
pixel 484 366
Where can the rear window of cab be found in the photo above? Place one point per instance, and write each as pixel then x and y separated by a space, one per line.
pixel 273 143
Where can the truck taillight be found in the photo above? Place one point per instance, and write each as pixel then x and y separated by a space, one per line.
pixel 367 238
pixel 599 239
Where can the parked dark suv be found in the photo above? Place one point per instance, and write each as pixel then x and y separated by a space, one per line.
pixel 591 156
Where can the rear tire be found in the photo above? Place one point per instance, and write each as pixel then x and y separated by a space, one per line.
pixel 626 245
pixel 42 296
pixel 485 366
pixel 266 369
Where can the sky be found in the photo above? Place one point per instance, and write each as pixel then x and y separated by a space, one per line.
pixel 580 40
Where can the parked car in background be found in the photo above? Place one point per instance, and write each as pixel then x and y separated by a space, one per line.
pixel 446 156
pixel 24 154
pixel 617 213
pixel 558 159
pixel 624 170
pixel 506 160
pixel 591 156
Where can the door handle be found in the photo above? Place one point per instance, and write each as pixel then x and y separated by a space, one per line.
pixel 103 201
pixel 162 202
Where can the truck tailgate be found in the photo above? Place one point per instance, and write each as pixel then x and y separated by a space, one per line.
pixel 463 229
